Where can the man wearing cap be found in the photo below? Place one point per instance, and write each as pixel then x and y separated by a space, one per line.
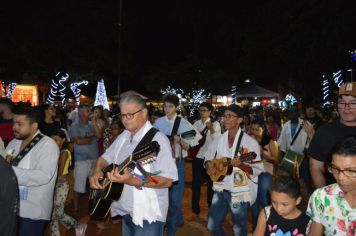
pixel 239 189
pixel 329 134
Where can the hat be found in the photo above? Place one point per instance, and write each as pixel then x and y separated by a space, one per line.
pixel 348 88
pixel 236 109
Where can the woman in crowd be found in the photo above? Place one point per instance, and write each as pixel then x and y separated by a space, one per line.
pixel 48 124
pixel 269 153
pixel 100 123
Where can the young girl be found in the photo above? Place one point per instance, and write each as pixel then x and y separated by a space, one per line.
pixel 61 190
pixel 283 217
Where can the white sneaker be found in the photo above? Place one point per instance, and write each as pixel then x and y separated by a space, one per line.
pixel 80 229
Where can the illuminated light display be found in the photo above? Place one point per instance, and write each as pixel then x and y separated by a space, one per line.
pixel 100 97
pixel 26 93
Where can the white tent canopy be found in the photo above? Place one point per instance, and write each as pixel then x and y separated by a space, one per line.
pixel 255 91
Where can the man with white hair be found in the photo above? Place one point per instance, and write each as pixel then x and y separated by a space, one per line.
pixel 143 204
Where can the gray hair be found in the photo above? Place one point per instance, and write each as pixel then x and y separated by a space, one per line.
pixel 133 99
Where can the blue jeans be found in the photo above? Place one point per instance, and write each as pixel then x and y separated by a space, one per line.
pixel 130 229
pixel 175 215
pixel 263 199
pixel 31 227
pixel 218 210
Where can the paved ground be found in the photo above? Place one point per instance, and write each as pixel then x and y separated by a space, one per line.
pixel 106 228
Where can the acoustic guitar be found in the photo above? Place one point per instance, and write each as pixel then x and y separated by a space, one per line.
pixel 223 165
pixel 100 200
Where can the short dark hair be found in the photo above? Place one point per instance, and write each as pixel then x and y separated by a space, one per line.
pixel 345 147
pixel 32 113
pixel 60 133
pixel 171 98
pixel 207 105
pixel 7 102
pixel 287 185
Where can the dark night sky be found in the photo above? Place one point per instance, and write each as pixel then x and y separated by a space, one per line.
pixel 267 41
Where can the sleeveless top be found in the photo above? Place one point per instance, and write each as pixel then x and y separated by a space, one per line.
pixel 276 225
pixel 68 161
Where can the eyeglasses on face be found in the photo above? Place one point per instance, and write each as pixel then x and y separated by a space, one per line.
pixel 129 116
pixel 336 171
pixel 343 105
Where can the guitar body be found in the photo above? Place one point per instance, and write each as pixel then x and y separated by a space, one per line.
pixel 223 168
pixel 100 200
pixel 193 151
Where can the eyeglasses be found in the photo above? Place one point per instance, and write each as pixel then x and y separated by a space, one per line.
pixel 336 171
pixel 129 116
pixel 343 105
pixel 228 116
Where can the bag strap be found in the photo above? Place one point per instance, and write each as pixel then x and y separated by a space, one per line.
pixel 296 135
pixel 238 143
pixel 147 138
pixel 16 160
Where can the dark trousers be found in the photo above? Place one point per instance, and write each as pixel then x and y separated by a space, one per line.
pixel 31 227
pixel 199 177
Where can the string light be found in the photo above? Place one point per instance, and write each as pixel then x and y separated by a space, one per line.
pixel 234 93
pixel 57 89
pixel 11 89
pixel 325 91
pixel 100 97
pixel 76 90
pixel 337 78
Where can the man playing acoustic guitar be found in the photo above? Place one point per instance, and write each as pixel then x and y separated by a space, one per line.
pixel 238 189
pixel 143 203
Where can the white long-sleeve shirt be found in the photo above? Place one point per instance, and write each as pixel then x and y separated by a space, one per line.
pixel 36 175
pixel 209 138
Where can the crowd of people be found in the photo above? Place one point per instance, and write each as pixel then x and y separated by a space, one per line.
pixel 266 161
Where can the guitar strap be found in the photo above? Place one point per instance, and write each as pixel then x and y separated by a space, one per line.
pixel 147 138
pixel 238 143
pixel 175 126
pixel 16 160
pixel 296 135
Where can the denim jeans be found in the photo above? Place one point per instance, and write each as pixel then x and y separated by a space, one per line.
pixel 199 176
pixel 31 227
pixel 218 210
pixel 263 199
pixel 175 215
pixel 130 229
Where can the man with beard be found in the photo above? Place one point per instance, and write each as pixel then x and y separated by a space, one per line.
pixel 328 134
pixel 35 163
